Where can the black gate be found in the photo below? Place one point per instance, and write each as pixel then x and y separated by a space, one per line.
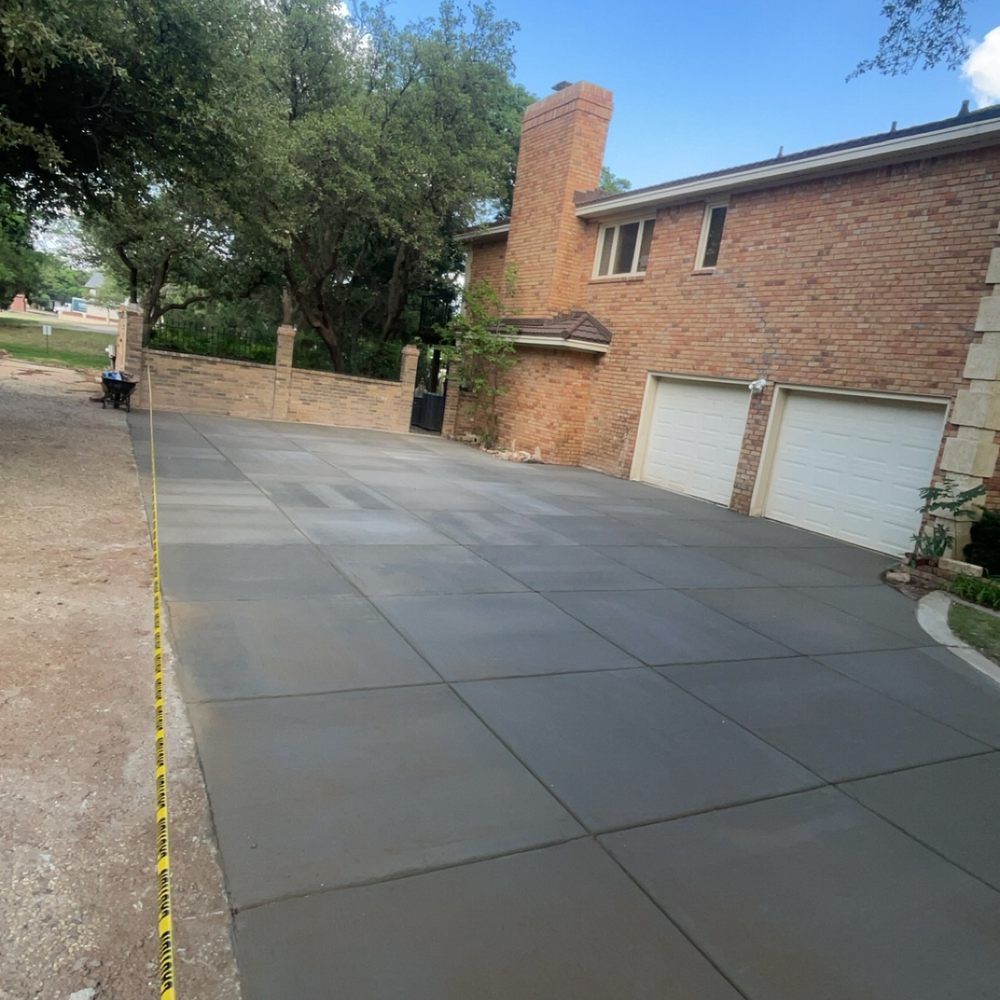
pixel 428 411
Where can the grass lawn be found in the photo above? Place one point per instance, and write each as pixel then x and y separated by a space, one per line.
pixel 23 339
pixel 979 629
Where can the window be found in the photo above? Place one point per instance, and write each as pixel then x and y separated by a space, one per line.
pixel 623 249
pixel 711 235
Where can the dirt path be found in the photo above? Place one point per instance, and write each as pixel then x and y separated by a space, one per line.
pixel 77 899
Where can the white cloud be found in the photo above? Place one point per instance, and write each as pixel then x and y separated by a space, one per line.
pixel 982 69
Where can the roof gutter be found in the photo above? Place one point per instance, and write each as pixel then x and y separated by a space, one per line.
pixel 479 234
pixel 559 343
pixel 954 139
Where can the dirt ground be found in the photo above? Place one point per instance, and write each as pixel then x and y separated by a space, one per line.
pixel 77 839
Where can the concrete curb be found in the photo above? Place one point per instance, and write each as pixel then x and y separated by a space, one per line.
pixel 932 614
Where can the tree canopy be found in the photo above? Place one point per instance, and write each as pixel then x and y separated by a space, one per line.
pixel 924 32
pixel 220 149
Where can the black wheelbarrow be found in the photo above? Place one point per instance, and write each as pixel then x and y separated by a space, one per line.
pixel 117 392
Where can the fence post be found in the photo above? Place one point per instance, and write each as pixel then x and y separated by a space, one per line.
pixel 407 383
pixel 129 350
pixel 283 372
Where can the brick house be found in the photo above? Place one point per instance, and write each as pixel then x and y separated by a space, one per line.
pixel 846 283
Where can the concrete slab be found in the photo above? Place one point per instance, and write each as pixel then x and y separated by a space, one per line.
pixel 813 896
pixel 367 788
pixel 197 572
pixel 385 570
pixel 834 726
pixel 485 528
pixel 596 529
pixel 206 524
pixel 471 637
pixel 327 790
pixel 326 493
pixel 878 605
pixel 678 566
pixel 625 747
pixel 934 682
pixel 364 527
pixel 950 807
pixel 563 923
pixel 255 649
pixel 798 621
pixel 786 567
pixel 168 467
pixel 564 567
pixel 665 626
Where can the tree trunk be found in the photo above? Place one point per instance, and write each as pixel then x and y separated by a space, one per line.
pixel 398 292
pixel 312 306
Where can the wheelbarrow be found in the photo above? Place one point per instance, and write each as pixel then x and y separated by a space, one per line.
pixel 118 389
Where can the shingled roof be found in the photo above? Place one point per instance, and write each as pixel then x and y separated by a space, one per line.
pixel 964 117
pixel 577 330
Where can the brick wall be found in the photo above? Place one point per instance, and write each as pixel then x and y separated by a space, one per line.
pixel 548 391
pixel 195 384
pixel 561 151
pixel 869 281
pixel 487 260
pixel 547 398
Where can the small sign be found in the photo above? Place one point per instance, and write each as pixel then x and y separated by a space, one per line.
pixel 46 330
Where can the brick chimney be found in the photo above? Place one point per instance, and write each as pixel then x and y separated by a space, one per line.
pixel 562 150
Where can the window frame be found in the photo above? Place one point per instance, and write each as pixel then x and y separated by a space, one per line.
pixel 617 226
pixel 706 221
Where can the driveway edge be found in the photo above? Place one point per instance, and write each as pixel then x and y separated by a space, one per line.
pixel 932 615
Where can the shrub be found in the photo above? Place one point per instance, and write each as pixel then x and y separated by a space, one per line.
pixel 934 539
pixel 977 589
pixel 984 549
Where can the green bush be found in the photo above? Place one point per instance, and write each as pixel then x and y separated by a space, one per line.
pixel 984 549
pixel 979 590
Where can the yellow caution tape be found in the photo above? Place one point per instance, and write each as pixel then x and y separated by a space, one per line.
pixel 166 922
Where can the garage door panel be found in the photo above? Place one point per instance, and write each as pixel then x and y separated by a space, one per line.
pixel 696 431
pixel 852 467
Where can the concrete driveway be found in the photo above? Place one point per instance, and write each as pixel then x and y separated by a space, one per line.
pixel 480 730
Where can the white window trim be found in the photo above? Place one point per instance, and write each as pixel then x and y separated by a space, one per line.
pixel 706 221
pixel 617 227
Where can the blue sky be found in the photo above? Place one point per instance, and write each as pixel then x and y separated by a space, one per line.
pixel 704 86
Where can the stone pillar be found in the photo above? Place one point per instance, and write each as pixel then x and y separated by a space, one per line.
pixel 128 347
pixel 283 372
pixel 970 458
pixel 407 383
pixel 19 303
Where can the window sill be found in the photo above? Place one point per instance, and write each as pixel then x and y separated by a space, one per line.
pixel 611 278
pixel 704 270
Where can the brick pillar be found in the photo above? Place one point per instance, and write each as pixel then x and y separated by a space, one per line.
pixel 561 152
pixel 128 346
pixel 449 423
pixel 970 458
pixel 283 372
pixel 407 383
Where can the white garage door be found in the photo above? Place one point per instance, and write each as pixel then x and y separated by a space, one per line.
pixel 851 467
pixel 695 434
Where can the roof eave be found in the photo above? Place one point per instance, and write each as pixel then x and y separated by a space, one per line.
pixel 486 232
pixel 968 135
pixel 559 343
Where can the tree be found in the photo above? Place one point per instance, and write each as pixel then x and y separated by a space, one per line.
pixel 612 183
pixel 930 32
pixel 479 353
pixel 19 262
pixel 383 142
pixel 91 91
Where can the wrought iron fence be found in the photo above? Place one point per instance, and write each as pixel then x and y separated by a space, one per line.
pixel 364 357
pixel 215 336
